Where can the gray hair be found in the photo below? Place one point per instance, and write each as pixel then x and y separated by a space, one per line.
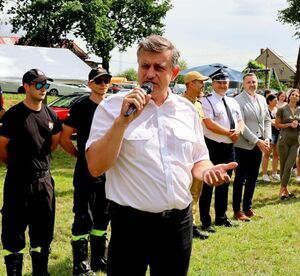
pixel 158 44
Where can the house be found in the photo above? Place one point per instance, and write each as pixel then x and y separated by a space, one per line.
pixel 271 59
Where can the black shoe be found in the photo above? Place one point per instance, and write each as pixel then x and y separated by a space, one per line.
pixel 226 223
pixel 284 197
pixel 209 229
pixel 291 195
pixel 197 233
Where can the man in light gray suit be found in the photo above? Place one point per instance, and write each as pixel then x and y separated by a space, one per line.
pixel 254 141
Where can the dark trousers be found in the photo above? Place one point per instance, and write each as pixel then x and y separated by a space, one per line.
pixel 245 175
pixel 28 202
pixel 90 204
pixel 219 153
pixel 138 239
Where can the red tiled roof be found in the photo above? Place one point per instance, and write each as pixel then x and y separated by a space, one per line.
pixel 9 39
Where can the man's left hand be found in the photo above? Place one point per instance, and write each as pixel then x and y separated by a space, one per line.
pixel 217 175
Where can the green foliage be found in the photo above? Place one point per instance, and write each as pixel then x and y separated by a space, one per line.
pixel 182 65
pixel 291 15
pixel 130 74
pixel 253 64
pixel 103 24
pixel 2 3
pixel 275 85
pixel 137 19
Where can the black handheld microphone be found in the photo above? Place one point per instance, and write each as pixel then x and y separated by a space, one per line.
pixel 148 87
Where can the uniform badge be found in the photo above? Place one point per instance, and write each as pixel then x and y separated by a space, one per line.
pixel 51 125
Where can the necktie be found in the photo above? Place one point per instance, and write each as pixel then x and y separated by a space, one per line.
pixel 231 121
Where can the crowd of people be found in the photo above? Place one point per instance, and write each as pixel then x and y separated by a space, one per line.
pixel 146 171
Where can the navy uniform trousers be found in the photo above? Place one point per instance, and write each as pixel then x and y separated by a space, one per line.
pixel 28 201
pixel 219 153
pixel 90 203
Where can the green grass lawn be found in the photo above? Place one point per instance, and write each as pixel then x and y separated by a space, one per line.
pixel 268 245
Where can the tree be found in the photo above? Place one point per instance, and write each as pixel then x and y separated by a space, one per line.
pixel 291 15
pixel 130 74
pixel 182 65
pixel 103 24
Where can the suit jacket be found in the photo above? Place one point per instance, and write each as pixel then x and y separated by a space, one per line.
pixel 254 123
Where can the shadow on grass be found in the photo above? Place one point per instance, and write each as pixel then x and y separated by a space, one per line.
pixel 261 183
pixel 274 200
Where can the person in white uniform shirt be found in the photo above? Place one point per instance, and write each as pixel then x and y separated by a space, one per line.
pixel 149 158
pixel 223 124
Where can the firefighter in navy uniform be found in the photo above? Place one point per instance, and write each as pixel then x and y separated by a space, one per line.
pixel 30 132
pixel 90 203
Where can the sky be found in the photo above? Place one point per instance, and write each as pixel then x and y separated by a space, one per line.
pixel 212 31
pixel 229 31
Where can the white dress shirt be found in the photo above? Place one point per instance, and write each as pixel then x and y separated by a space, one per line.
pixel 214 108
pixel 153 170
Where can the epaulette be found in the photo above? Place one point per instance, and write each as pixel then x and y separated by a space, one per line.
pixel 213 110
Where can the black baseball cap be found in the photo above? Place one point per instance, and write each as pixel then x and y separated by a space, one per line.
pixel 35 75
pixel 98 72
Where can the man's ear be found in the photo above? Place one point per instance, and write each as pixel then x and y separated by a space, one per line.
pixel 89 84
pixel 24 88
pixel 176 70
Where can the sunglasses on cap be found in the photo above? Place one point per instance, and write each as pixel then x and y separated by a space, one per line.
pixel 40 85
pixel 99 80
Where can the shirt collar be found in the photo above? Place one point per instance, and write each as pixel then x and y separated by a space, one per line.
pixel 252 97
pixel 189 98
pixel 217 95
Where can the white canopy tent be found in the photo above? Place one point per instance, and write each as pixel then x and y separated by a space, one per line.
pixel 58 63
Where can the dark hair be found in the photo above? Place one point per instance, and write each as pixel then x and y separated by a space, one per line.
pixel 267 91
pixel 158 44
pixel 291 92
pixel 270 98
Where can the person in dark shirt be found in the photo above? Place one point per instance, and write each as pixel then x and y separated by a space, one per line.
pixel 90 203
pixel 30 132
